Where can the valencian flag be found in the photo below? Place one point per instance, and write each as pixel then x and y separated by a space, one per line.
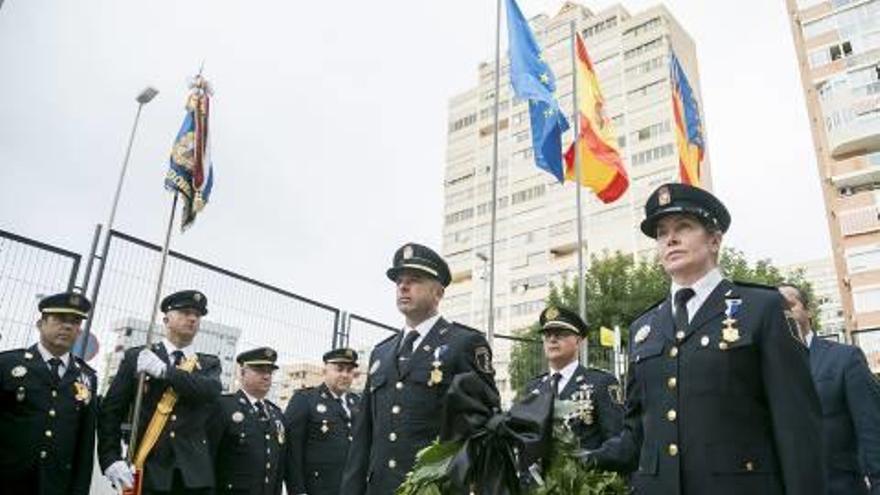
pixel 688 125
pixel 601 166
pixel 533 80
pixel 189 170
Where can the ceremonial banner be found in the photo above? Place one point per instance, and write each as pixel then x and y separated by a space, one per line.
pixel 190 172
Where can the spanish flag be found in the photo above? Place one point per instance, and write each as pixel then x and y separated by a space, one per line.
pixel 688 125
pixel 600 163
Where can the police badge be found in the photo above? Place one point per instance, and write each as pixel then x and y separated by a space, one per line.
pixel 279 431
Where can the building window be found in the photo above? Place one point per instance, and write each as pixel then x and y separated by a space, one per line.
pixel 644 27
pixel 652 154
pixel 651 131
pixel 459 216
pixel 866 300
pixel 643 48
pixel 462 123
pixel 528 194
pixel 839 51
pixel 647 66
pixel 647 89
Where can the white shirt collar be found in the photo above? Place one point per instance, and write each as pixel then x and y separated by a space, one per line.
pixel 423 328
pixel 46 355
pixel 253 400
pixel 566 373
pixel 809 339
pixel 188 351
pixel 702 288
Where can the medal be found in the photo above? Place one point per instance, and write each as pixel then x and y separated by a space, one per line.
pixel 19 394
pixel 81 392
pixel 436 373
pixel 18 371
pixel 730 333
pixel 324 427
pixel 321 408
pixel 279 428
pixel 237 417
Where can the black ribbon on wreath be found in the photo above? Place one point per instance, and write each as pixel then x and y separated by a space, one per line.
pixel 497 447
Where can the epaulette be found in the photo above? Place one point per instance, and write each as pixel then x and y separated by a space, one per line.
pixel 206 355
pixel 464 327
pixel 386 339
pixel 83 364
pixel 755 285
pixel 304 389
pixel 599 370
pixel 650 308
pixel 12 351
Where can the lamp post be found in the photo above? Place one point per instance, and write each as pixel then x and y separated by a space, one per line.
pixel 142 99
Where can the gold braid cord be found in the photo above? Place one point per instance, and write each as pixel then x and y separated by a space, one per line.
pixel 160 417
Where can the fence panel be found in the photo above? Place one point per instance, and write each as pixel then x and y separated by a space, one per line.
pixel 29 270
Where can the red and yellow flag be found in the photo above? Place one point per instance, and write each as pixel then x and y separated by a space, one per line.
pixel 600 163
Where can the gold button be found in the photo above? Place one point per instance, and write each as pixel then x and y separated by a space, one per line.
pixel 672 382
pixel 173 417
pixel 679 335
pixel 267 436
pixel 399 385
pixel 395 409
pixel 267 479
pixel 54 393
pixel 750 466
pixel 49 433
pixel 671 415
pixel 229 486
pixel 43 454
pixel 268 465
pixel 722 345
pixel 172 434
pixel 392 463
pixel 52 412
pixel 392 436
pixel 704 341
pixel 673 449
pixel 349 438
pixel 673 352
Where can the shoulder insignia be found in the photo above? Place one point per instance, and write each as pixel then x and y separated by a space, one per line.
pixel 483 359
pixel 616 393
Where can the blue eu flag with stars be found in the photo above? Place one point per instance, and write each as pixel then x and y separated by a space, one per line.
pixel 533 80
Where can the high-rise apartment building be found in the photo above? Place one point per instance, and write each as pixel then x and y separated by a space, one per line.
pixel 838 50
pixel 536 228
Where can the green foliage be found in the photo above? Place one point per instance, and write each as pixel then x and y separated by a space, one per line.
pixel 619 289
pixel 428 476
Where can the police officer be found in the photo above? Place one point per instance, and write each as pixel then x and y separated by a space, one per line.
pixel 408 375
pixel 599 412
pixel 719 395
pixel 48 407
pixel 850 397
pixel 320 423
pixel 180 462
pixel 247 433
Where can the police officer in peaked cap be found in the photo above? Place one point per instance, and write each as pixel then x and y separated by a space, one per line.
pixel 719 397
pixel 408 374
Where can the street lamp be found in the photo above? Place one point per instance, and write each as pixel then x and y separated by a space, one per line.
pixel 144 97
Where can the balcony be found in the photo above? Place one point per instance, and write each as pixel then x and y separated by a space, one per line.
pixel 860 135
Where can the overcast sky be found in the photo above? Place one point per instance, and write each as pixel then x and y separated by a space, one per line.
pixel 329 127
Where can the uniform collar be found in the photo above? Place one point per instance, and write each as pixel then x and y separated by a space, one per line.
pixel 253 400
pixel 809 339
pixel 702 289
pixel 424 327
pixel 188 351
pixel 46 355
pixel 567 372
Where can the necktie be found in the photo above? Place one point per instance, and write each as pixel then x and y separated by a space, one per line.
pixel 178 357
pixel 406 349
pixel 557 377
pixel 261 410
pixel 55 364
pixel 342 404
pixel 681 312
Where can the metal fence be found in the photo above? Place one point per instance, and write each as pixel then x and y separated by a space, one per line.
pixel 29 270
pixel 242 312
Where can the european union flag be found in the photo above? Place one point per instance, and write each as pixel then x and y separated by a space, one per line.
pixel 533 80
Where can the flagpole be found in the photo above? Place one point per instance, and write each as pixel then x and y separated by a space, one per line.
pixel 490 332
pixel 138 398
pixel 582 299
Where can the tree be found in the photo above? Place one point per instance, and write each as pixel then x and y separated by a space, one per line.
pixel 619 289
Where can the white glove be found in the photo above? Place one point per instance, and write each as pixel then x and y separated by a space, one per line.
pixel 150 363
pixel 120 474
